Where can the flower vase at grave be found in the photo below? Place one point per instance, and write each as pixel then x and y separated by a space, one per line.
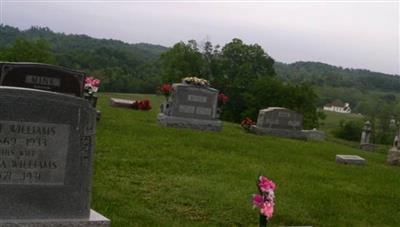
pixel 92 99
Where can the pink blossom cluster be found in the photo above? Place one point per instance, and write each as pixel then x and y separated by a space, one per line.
pixel 265 200
pixel 92 82
pixel 91 85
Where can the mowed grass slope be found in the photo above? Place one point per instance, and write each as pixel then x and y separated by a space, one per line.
pixel 145 175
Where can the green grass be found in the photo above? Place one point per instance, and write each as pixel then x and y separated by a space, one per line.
pixel 331 123
pixel 333 119
pixel 145 175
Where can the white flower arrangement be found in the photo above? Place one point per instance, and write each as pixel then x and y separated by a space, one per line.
pixel 196 81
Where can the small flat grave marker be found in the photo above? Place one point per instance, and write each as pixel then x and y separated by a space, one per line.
pixel 350 159
pixel 124 103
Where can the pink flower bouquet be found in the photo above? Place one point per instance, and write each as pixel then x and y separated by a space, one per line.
pixel 91 85
pixel 265 199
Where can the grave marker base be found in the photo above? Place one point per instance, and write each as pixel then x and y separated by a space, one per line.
pixel 182 122
pixel 95 220
pixel 293 134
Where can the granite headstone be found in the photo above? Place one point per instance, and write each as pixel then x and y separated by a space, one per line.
pixel 42 77
pixel 47 141
pixel 191 106
pixel 284 122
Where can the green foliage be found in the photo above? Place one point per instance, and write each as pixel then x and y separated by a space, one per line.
pixel 325 75
pixel 349 130
pixel 146 175
pixel 269 92
pixel 245 73
pixel 122 67
pixel 23 50
pixel 180 61
pixel 240 64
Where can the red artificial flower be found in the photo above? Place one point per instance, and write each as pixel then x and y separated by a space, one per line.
pixel 222 98
pixel 143 105
pixel 247 122
pixel 166 89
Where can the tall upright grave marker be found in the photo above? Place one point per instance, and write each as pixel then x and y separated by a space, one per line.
pixel 191 106
pixel 366 136
pixel 394 152
pixel 47 141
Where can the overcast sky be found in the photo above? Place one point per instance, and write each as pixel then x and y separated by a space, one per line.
pixel 354 35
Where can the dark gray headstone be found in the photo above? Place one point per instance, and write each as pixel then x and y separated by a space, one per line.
pixel 46 149
pixel 194 102
pixel 42 77
pixel 191 106
pixel 279 118
pixel 284 122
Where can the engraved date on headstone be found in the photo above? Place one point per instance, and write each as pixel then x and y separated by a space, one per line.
pixel 33 153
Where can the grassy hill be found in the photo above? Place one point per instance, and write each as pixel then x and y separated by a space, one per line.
pixel 331 122
pixel 145 175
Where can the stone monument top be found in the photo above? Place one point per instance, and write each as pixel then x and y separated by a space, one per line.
pixel 42 77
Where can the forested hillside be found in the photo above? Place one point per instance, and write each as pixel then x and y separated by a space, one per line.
pixel 325 75
pixel 122 67
pixel 136 68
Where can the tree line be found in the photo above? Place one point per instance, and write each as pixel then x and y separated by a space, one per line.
pixel 245 72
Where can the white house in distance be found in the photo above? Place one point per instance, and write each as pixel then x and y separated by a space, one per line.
pixel 338 106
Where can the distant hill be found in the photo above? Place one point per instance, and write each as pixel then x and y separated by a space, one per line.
pixel 321 74
pixel 125 67
pixel 122 67
pixel 72 42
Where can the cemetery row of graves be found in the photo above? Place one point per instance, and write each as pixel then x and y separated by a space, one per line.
pixel 48 127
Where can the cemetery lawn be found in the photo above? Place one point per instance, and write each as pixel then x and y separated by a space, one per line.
pixel 145 175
